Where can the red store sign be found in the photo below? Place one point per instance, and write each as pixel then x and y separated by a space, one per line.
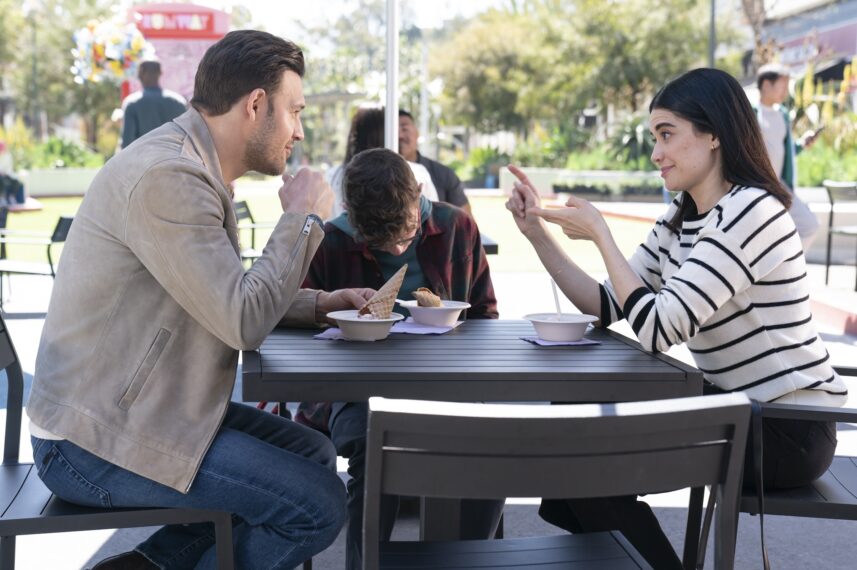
pixel 176 25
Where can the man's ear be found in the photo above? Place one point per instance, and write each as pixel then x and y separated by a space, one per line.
pixel 256 100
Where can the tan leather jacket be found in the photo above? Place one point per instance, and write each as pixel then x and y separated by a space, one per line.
pixel 151 304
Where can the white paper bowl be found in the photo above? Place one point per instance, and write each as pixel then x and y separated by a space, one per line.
pixel 443 316
pixel 354 327
pixel 569 329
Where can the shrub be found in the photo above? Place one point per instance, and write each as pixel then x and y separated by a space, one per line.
pixel 552 151
pixel 482 163
pixel 822 161
pixel 61 153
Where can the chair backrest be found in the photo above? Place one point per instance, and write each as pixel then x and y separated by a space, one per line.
pixel 242 211
pixel 484 451
pixel 15 395
pixel 60 232
pixel 59 235
pixel 4 218
pixel 839 192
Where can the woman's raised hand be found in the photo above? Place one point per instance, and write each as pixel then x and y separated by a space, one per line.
pixel 524 197
pixel 579 220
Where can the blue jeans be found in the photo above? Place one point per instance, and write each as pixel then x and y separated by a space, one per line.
pixel 276 477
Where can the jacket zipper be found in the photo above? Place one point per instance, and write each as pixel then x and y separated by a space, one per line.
pixel 308 223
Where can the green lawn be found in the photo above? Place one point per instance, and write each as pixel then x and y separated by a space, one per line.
pixel 516 255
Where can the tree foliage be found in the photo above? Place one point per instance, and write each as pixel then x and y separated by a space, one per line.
pixel 491 70
pixel 41 77
pixel 547 59
pixel 346 66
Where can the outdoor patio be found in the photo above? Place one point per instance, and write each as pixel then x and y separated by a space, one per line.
pixel 792 543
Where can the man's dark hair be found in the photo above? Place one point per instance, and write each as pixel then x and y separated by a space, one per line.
pixel 771 76
pixel 715 103
pixel 150 67
pixel 380 194
pixel 149 73
pixel 367 131
pixel 403 113
pixel 242 61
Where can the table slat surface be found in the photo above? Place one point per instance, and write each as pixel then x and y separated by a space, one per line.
pixel 480 360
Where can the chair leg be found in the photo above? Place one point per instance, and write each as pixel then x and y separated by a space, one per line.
pixel 694 525
pixel 7 552
pixel 308 564
pixel 827 257
pixel 223 542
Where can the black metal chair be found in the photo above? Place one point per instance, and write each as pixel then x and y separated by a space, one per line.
pixel 837 193
pixel 28 507
pixel 446 450
pixel 14 237
pixel 246 222
pixel 834 494
pixel 831 496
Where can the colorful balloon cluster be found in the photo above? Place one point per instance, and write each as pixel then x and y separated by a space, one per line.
pixel 108 51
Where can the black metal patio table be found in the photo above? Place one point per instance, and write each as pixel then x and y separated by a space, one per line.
pixel 481 360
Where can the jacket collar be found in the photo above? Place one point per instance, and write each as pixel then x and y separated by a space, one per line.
pixel 194 125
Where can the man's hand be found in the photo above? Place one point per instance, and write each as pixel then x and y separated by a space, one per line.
pixel 810 137
pixel 340 300
pixel 306 193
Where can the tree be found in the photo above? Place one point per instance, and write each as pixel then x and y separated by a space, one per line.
pixel 11 21
pixel 548 59
pixel 620 52
pixel 42 79
pixel 492 70
pixel 10 24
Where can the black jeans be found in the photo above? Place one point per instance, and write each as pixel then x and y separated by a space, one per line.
pixel 796 453
pixel 479 518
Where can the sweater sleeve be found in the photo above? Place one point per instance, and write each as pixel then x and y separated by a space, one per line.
pixel 716 270
pixel 646 264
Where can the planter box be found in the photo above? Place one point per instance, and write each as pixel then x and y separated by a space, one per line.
pixel 548 181
pixel 58 181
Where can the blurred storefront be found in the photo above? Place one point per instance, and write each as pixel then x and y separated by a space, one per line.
pixel 180 34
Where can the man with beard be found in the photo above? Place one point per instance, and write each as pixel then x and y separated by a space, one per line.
pixel 130 404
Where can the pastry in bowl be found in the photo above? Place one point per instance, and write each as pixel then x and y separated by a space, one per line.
pixel 426 298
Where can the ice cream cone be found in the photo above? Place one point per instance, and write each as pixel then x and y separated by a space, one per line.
pixel 381 303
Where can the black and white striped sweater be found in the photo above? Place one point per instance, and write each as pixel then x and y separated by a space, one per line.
pixel 732 284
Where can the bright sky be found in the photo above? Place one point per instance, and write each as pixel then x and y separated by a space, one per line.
pixel 280 17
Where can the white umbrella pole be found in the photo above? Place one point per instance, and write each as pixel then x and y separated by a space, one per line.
pixel 391 118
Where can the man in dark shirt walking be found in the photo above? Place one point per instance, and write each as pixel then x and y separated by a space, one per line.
pixel 152 107
pixel 449 186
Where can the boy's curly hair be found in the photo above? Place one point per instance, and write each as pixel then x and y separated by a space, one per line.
pixel 380 193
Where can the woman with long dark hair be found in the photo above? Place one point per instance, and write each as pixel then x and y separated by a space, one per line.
pixel 722 271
